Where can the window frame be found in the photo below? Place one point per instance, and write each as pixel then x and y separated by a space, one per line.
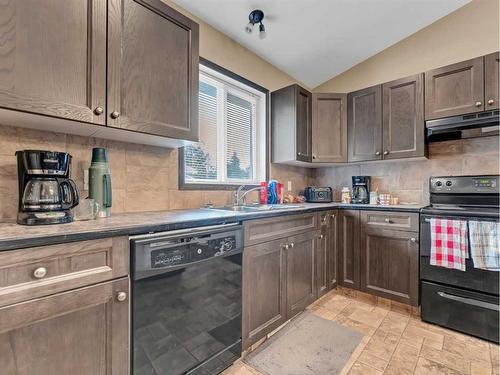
pixel 183 185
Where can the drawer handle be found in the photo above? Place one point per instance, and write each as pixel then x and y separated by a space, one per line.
pixel 121 296
pixel 387 220
pixel 40 273
pixel 470 301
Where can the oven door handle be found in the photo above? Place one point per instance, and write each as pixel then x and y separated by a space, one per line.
pixel 470 301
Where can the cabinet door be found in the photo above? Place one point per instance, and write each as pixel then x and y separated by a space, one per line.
pixel 303 124
pixel 333 251
pixel 264 307
pixel 491 76
pixel 364 127
pixel 300 272
pixel 152 69
pixel 53 58
pixel 403 118
pixel 389 264
pixel 348 247
pixel 83 331
pixel 455 89
pixel 329 128
pixel 326 254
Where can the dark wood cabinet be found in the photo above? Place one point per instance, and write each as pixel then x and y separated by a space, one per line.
pixel 326 253
pixel 389 264
pixel 291 116
pixel 264 298
pixel 403 118
pixel 364 126
pixel 329 128
pixel 455 89
pixel 300 272
pixel 348 248
pixel 54 58
pixel 152 69
pixel 491 76
pixel 82 331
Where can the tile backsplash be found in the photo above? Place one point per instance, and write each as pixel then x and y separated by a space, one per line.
pixel 409 179
pixel 144 178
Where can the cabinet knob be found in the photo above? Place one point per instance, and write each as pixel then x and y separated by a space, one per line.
pixel 321 236
pixel 292 245
pixel 386 152
pixel 377 153
pixel 387 220
pixel 115 114
pixel 479 104
pixel 413 239
pixel 491 102
pixel 314 156
pixel 286 246
pixel 98 111
pixel 332 216
pixel 299 153
pixel 121 296
pixel 40 273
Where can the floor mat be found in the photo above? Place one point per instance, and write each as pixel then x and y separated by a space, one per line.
pixel 309 344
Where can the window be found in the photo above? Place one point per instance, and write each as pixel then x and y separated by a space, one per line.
pixel 232 147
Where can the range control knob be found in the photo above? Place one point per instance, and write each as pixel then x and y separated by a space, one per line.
pixel 228 245
pixel 439 183
pixel 448 183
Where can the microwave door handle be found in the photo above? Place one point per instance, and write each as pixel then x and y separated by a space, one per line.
pixel 470 301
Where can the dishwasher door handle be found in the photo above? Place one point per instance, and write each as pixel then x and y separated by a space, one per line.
pixel 470 301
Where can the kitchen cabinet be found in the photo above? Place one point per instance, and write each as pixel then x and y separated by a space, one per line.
pixel 54 58
pixel 455 89
pixel 403 118
pixel 389 259
pixel 300 272
pixel 100 62
pixel 491 76
pixel 81 331
pixel 291 116
pixel 264 298
pixel 152 69
pixel 364 127
pixel 348 248
pixel 329 128
pixel 326 254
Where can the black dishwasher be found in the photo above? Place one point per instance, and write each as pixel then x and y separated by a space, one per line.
pixel 186 300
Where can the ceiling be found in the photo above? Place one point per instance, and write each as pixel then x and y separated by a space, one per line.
pixel 314 40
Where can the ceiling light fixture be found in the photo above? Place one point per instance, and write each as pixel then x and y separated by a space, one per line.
pixel 256 16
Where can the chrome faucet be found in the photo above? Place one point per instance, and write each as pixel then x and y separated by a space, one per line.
pixel 237 197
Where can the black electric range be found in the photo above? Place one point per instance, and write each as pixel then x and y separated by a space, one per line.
pixel 466 301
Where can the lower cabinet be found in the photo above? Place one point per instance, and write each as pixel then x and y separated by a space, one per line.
pixel 264 298
pixel 348 247
pixel 300 272
pixel 326 254
pixel 82 331
pixel 389 264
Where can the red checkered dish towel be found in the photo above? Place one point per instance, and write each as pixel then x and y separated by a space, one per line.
pixel 449 246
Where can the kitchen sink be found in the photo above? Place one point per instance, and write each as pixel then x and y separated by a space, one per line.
pixel 264 207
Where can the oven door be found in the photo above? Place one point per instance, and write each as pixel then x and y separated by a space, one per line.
pixel 474 279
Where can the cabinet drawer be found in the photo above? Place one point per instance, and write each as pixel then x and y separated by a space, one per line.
pixel 41 271
pixel 257 231
pixel 391 220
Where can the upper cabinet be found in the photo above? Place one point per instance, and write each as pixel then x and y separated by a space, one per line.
pixel 364 130
pixel 403 118
pixel 54 58
pixel 491 76
pixel 129 64
pixel 329 128
pixel 152 69
pixel 291 125
pixel 455 89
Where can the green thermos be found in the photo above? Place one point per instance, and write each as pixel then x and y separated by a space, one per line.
pixel 100 181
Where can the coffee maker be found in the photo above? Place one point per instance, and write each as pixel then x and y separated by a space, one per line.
pixel 360 189
pixel 46 191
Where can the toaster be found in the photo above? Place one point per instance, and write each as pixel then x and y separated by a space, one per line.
pixel 316 194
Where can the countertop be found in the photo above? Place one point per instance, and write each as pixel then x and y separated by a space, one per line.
pixel 14 236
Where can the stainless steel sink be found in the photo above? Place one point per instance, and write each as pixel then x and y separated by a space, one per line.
pixel 264 207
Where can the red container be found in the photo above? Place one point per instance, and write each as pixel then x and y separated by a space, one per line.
pixel 263 192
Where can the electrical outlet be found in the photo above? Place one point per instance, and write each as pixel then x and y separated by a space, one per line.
pixel 85 179
pixel 289 185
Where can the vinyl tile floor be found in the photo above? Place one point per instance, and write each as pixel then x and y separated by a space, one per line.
pixel 397 343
